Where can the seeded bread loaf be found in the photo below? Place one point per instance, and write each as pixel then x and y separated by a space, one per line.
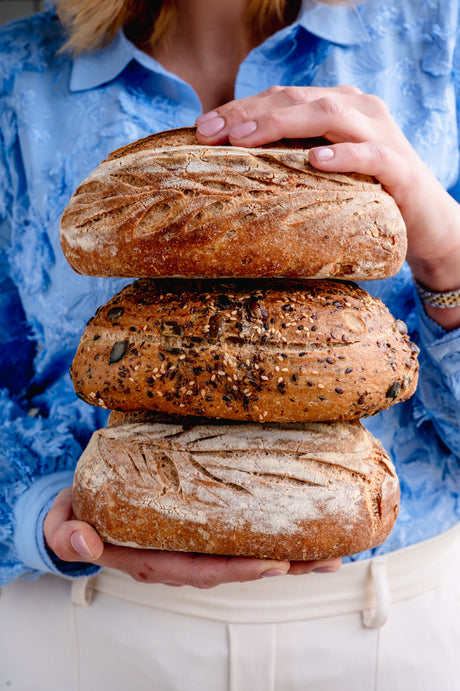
pixel 260 351
pixel 294 492
pixel 168 206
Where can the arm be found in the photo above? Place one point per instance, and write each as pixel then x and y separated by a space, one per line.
pixel 364 138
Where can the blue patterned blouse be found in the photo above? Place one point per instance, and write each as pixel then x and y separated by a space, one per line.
pixel 60 117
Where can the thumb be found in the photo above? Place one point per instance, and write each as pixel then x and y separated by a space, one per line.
pixel 69 539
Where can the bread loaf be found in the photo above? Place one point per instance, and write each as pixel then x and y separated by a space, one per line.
pixel 250 350
pixel 296 492
pixel 168 206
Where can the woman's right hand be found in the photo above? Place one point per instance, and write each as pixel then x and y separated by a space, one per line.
pixel 75 541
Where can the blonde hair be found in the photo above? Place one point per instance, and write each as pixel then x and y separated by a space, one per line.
pixel 92 24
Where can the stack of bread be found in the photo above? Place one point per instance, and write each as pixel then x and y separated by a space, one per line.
pixel 239 363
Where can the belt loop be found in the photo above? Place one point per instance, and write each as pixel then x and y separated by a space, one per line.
pixel 374 618
pixel 82 591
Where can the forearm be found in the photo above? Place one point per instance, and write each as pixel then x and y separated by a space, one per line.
pixel 437 265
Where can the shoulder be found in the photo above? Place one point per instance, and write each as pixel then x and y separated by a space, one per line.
pixel 411 17
pixel 29 44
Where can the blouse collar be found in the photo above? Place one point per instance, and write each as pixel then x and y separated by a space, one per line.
pixel 341 25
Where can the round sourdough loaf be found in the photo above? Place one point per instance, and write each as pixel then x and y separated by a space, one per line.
pixel 294 492
pixel 256 351
pixel 169 206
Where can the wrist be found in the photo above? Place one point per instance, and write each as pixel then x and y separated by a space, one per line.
pixel 440 274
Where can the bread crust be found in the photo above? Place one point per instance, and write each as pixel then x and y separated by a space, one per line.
pixel 298 492
pixel 260 351
pixel 169 206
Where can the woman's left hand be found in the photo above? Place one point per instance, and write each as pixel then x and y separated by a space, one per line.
pixel 364 139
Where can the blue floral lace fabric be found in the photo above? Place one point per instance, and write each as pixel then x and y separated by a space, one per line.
pixel 59 117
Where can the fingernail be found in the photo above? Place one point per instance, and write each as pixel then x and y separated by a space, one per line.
pixel 206 116
pixel 323 153
pixel 273 572
pixel 210 127
pixel 79 544
pixel 244 129
pixel 324 569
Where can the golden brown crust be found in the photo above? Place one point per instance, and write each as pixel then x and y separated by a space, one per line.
pixel 294 492
pixel 247 350
pixel 167 206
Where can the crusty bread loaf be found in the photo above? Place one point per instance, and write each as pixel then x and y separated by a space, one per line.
pixel 296 492
pixel 168 206
pixel 246 350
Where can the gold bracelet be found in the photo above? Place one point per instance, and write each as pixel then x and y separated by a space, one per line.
pixel 449 299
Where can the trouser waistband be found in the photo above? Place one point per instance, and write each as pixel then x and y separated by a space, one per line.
pixel 368 586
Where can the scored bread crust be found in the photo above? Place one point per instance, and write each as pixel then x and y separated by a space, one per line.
pixel 169 206
pixel 246 350
pixel 294 492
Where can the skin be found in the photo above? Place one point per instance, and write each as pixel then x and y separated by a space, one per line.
pixel 364 139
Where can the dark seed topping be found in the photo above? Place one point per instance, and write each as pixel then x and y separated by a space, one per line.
pixel 348 370
pixel 224 302
pixel 216 326
pixel 114 313
pixel 118 351
pixel 338 389
pixel 330 360
pixel 393 390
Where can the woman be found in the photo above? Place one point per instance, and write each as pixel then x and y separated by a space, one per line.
pixel 137 68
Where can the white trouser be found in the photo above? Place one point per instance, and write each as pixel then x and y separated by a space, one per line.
pixel 388 624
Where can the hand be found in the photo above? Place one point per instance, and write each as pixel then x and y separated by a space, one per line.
pixel 75 541
pixel 364 139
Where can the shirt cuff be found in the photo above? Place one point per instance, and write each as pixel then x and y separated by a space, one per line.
pixel 29 514
pixel 443 347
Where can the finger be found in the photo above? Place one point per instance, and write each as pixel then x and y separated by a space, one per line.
pixel 69 539
pixel 217 124
pixel 196 570
pixel 391 168
pixel 326 566
pixel 332 118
